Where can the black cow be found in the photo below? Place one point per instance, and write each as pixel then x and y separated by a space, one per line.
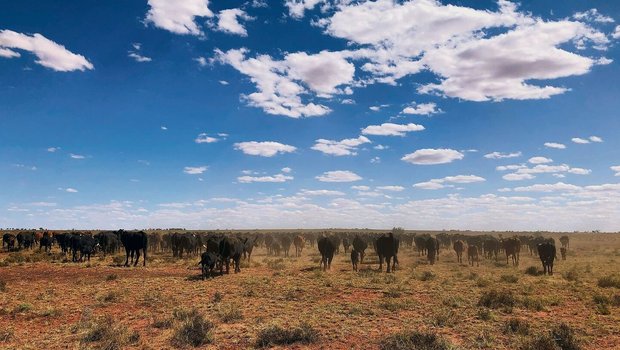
pixel 459 247
pixel 346 244
pixel 25 240
pixel 360 246
pixel 231 249
pixel 432 249
pixel 64 241
pixel 109 242
pixel 86 245
pixel 46 241
pixel 208 260
pixel 133 243
pixel 512 247
pixel 355 256
pixel 387 248
pixel 546 252
pixel 327 249
pixel 248 247
pixel 8 239
pixel 286 244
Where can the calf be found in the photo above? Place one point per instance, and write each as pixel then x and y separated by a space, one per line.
pixel 563 253
pixel 299 243
pixel 208 260
pixel 472 255
pixel 46 241
pixel 459 246
pixel 546 253
pixel 355 255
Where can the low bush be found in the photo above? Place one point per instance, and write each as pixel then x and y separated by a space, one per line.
pixel 532 271
pixel 609 281
pixel 509 278
pixel 192 329
pixel 108 335
pixel 495 299
pixel 274 335
pixel 414 340
pixel 517 326
pixel 3 287
pixel 427 276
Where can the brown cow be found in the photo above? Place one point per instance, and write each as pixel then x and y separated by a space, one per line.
pixel 563 253
pixel 512 247
pixel 299 243
pixel 459 246
pixel 472 255
pixel 565 242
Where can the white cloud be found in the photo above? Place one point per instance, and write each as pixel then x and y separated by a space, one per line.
pixel 201 61
pixel 375 160
pixel 76 156
pixel 592 15
pixel 49 54
pixel 559 186
pixel 138 57
pixel 436 184
pixel 391 188
pixel 433 156
pixel 580 171
pixel 360 188
pixel 381 147
pixel 579 140
pixel 540 160
pixel 346 147
pixel 390 129
pixel 164 128
pixel 555 145
pixel 286 170
pixel 338 176
pixel 279 83
pixel 500 155
pixel 616 169
pixel 229 21
pixel 224 82
pixel 274 178
pixel 53 149
pixel 71 190
pixel 422 109
pixel 455 43
pixel 348 101
pixel 517 177
pixel 204 138
pixel 595 139
pixel 296 8
pixel 320 193
pixel 263 149
pixel 510 167
pixel 195 170
pixel 178 16
pixel 616 33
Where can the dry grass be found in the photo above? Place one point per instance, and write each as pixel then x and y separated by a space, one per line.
pixel 493 306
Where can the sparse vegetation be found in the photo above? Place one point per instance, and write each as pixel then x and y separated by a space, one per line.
pixel 274 335
pixel 414 340
pixel 111 277
pixel 517 326
pixel 229 313
pixel 192 329
pixel 3 287
pixel 107 334
pixel 610 281
pixel 427 276
pixel 509 278
pixel 532 271
pixel 495 299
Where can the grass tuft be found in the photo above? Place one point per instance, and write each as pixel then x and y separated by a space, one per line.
pixel 414 340
pixel 193 329
pixel 517 326
pixel 509 278
pixel 274 335
pixel 609 281
pixel 495 299
pixel 532 271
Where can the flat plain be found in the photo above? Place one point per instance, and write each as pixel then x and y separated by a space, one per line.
pixel 47 302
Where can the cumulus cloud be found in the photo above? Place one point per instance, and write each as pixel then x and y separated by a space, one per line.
pixel 579 171
pixel 49 54
pixel 273 178
pixel 70 190
pixel 381 147
pixel 391 188
pixel 616 33
pixel 593 15
pixel 286 170
pixel 540 160
pixel 454 42
pixel 76 156
pixel 500 155
pixel 264 149
pixel 517 177
pixel 178 16
pixel 338 176
pixel 53 149
pixel 320 193
pixel 616 169
pixel 205 138
pixel 558 186
pixel 346 147
pixel 595 139
pixel 280 84
pixel 195 170
pixel 579 140
pixel 432 156
pixel 555 145
pixel 297 8
pixel 436 184
pixel 422 109
pixel 390 129
pixel 228 21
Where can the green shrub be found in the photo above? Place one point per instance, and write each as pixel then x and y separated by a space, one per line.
pixel 274 335
pixel 485 314
pixel 192 330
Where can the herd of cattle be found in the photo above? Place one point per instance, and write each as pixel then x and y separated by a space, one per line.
pixel 219 250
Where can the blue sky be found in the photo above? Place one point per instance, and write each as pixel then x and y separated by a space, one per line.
pixel 283 114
